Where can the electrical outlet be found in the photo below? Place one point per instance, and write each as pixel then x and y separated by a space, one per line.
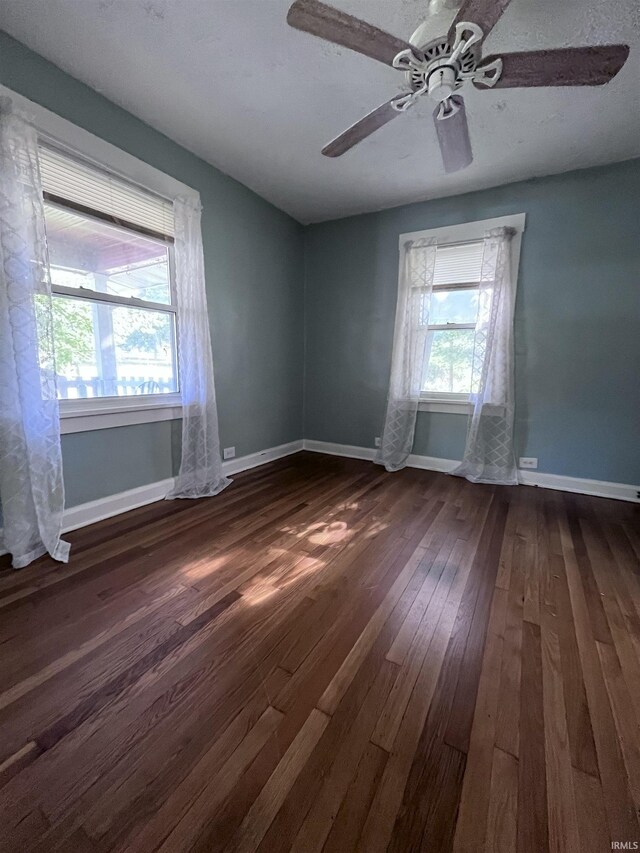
pixel 528 462
pixel 377 441
pixel 229 452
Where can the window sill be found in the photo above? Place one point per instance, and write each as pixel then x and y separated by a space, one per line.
pixel 450 407
pixel 104 414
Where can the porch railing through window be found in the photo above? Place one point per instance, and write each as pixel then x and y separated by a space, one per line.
pixel 76 389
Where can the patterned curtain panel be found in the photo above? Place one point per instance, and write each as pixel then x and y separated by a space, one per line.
pixel 489 455
pixel 31 487
pixel 201 466
pixel 410 341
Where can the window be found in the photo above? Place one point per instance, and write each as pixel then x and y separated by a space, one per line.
pixel 453 308
pixel 114 311
pixel 452 313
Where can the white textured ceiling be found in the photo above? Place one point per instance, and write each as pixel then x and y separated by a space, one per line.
pixel 230 81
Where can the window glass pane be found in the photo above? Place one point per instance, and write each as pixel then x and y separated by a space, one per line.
pixel 112 351
pixel 87 253
pixel 453 306
pixel 450 360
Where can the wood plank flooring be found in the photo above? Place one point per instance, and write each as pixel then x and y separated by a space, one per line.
pixel 328 657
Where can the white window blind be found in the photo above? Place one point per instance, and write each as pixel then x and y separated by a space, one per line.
pixel 458 264
pixel 84 184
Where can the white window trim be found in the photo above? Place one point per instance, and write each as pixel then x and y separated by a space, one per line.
pixel 104 412
pixel 451 403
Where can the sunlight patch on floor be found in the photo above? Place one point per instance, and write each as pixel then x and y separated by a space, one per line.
pixel 207 565
pixel 262 589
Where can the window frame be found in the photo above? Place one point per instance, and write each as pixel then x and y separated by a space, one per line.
pixel 95 413
pixel 115 404
pixel 114 407
pixel 445 402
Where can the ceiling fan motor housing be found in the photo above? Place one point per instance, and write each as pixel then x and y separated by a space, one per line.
pixel 442 81
pixel 439 76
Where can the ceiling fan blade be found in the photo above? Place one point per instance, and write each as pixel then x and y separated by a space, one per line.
pixel 331 24
pixel 566 66
pixel 453 135
pixel 484 13
pixel 361 129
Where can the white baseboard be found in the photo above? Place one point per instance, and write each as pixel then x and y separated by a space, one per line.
pixel 332 449
pixel 92 511
pixel 598 488
pixel 98 510
pixel 252 460
pixel 428 463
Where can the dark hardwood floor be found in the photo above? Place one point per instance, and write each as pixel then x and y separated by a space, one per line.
pixel 328 657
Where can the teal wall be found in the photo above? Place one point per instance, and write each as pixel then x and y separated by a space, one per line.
pixel 112 460
pixel 577 333
pixel 254 269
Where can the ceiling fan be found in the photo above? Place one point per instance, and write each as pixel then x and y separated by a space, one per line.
pixel 439 67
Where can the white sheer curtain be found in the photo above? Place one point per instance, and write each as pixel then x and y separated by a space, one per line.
pixel 410 342
pixel 201 466
pixel 31 487
pixel 489 455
